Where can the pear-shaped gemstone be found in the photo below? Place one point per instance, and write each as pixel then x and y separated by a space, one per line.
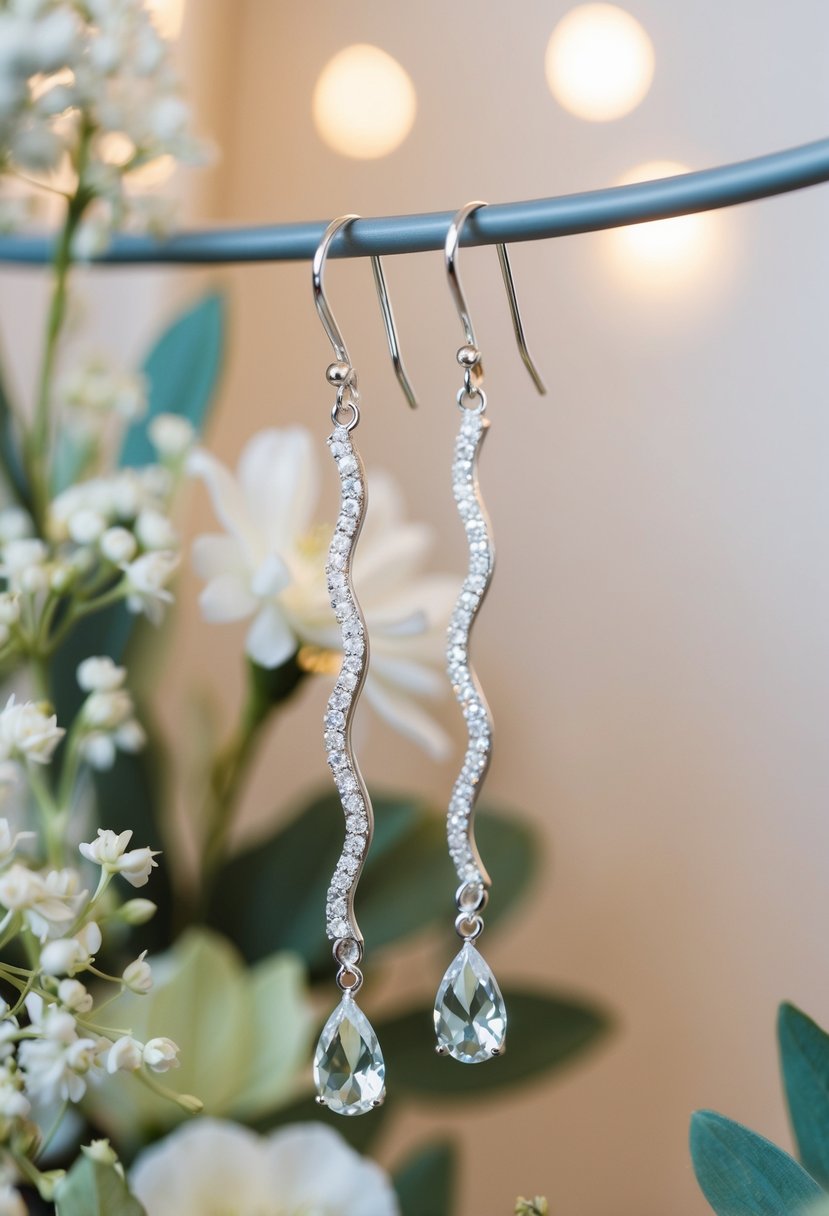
pixel 349 1069
pixel 470 1017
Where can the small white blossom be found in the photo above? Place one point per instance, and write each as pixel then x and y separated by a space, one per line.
pixel 125 1055
pixel 9 842
pixel 147 578
pixel 161 1055
pixel 74 996
pixel 21 563
pixel 56 1068
pixel 86 526
pixel 100 674
pixel 47 902
pixel 66 955
pixel 110 851
pixel 99 751
pixel 13 1102
pixel 99 388
pixel 155 531
pixel 138 974
pixel 27 733
pixel 130 736
pixel 108 710
pixel 137 911
pixel 171 435
pixel 118 546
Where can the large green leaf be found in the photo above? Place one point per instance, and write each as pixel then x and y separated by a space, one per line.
pixel 425 1184
pixel 544 1033
pixel 93 1189
pixel 182 369
pixel 272 896
pixel 743 1174
pixel 804 1059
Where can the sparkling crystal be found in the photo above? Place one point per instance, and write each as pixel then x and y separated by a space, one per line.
pixel 349 1069
pixel 470 1018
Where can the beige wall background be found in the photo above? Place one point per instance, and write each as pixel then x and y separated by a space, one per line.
pixel 655 644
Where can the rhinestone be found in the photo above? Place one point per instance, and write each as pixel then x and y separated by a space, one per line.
pixel 470 1018
pixel 349 1070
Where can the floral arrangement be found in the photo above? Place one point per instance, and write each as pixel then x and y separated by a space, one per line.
pixel 155 1026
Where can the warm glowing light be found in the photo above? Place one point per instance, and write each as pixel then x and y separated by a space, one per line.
pixel 599 62
pixel 167 16
pixel 663 250
pixel 364 102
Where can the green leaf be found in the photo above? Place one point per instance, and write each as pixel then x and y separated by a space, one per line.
pixel 425 1184
pixel 804 1059
pixel 93 1189
pixel 272 896
pixel 743 1174
pixel 544 1033
pixel 183 370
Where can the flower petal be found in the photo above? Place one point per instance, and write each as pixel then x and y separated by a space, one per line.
pixel 278 474
pixel 272 577
pixel 217 554
pixel 270 639
pixel 311 1168
pixel 228 502
pixel 204 1163
pixel 227 598
pixel 406 716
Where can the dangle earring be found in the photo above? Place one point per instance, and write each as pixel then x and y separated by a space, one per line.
pixel 469 1015
pixel 349 1070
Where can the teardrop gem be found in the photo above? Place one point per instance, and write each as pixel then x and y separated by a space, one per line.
pixel 470 1016
pixel 349 1069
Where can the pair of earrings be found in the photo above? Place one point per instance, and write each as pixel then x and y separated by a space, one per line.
pixel 469 1014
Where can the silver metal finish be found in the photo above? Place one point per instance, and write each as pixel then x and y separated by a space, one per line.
pixel 344 366
pixel 475 372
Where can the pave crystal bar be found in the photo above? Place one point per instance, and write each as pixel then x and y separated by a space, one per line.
pixel 459 825
pixel 341 924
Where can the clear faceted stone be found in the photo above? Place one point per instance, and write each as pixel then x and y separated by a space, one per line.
pixel 470 1017
pixel 349 1069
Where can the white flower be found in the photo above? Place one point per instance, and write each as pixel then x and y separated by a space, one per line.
pixel 110 851
pixel 137 911
pixel 171 435
pixel 66 955
pixel 125 1055
pixel 99 388
pixel 74 996
pixel 13 1102
pixel 86 526
pixel 27 733
pixel 22 564
pixel 100 674
pixel 269 565
pixel 155 531
pixel 210 1167
pixel 99 750
pixel 130 736
pixel 147 578
pixel 9 608
pixel 9 842
pixel 118 546
pixel 55 1067
pixel 47 902
pixel 15 524
pixel 161 1054
pixel 108 710
pixel 138 975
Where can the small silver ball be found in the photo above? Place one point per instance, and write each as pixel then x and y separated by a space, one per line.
pixel 337 373
pixel 468 356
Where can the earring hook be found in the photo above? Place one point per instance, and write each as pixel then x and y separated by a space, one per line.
pixel 329 321
pixel 450 253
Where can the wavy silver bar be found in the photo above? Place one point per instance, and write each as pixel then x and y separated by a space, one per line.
pixel 467 690
pixel 341 924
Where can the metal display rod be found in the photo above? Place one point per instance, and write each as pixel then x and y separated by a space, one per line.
pixel 706 190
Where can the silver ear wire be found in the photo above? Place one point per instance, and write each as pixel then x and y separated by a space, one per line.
pixel 450 253
pixel 329 321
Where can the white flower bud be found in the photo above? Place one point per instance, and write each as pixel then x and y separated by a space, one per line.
pixel 168 119
pixel 100 1151
pixel 171 435
pixel 131 736
pixel 125 1055
pixel 100 674
pixel 62 576
pixel 61 957
pixel 107 848
pixel 86 526
pixel 137 911
pixel 136 866
pixel 161 1055
pixel 138 975
pixel 33 579
pixel 19 555
pixel 155 531
pixel 118 546
pixel 106 710
pixel 74 996
pixel 98 750
pixel 90 938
